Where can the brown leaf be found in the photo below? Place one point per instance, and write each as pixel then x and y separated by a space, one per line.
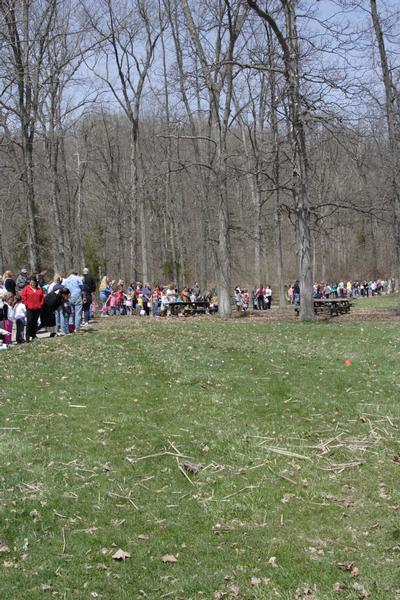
pixel 234 591
pixel 361 591
pixel 4 549
pixel 219 595
pixel 191 467
pixel 355 572
pixel 169 558
pixel 345 566
pixel 257 581
pixel 338 587
pixel 143 536
pixel 121 555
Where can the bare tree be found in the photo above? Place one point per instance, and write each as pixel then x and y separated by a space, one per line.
pixel 127 37
pixel 288 40
pixel 25 35
pixel 392 113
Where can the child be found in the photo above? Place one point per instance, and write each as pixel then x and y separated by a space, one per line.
pixel 8 317
pixel 20 316
pixel 245 299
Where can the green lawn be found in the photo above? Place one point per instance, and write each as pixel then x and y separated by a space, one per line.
pixel 300 455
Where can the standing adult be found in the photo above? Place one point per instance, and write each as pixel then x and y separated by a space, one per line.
pixel 52 302
pixel 296 293
pixel 146 296
pixel 196 290
pixel 268 297
pixel 260 298
pixel 89 283
pixel 22 281
pixel 9 283
pixel 75 285
pixel 33 297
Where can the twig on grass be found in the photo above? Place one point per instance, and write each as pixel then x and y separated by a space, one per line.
pixel 248 487
pixel 341 467
pixel 183 471
pixel 156 455
pixel 127 498
pixel 285 452
pixel 282 476
pixel 10 429
pixel 64 540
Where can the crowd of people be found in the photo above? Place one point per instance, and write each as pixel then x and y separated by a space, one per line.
pixel 143 299
pixel 66 304
pixel 31 302
pixel 354 289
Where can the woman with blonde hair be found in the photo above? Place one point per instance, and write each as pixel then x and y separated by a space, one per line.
pixel 105 291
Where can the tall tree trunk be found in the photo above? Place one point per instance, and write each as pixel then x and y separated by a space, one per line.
pixel 277 182
pixel 133 202
pixel 394 144
pixel 29 189
pixel 289 43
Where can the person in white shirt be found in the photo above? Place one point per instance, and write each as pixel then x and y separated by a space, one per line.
pixel 268 297
pixel 19 317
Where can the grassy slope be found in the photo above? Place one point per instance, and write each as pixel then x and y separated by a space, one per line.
pixel 211 389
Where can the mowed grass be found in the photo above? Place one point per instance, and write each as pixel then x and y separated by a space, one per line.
pixel 78 413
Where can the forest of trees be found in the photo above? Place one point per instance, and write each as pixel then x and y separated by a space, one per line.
pixel 224 141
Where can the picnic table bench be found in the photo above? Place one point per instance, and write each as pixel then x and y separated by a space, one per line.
pixel 331 307
pixel 198 307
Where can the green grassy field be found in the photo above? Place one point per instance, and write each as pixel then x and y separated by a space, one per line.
pixel 300 457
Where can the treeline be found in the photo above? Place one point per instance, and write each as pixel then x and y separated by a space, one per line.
pixel 227 141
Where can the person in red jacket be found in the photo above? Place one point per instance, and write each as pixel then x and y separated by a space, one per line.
pixel 33 297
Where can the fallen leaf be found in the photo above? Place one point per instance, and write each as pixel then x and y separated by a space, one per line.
pixel 272 561
pixel 345 566
pixel 218 595
pixel 4 549
pixel 169 558
pixel 355 572
pixel 257 581
pixel 191 467
pixel 121 555
pixel 234 591
pixel 143 536
pixel 360 589
pixel 287 497
pixel 338 587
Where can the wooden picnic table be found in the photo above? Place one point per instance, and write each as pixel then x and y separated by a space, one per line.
pixel 197 307
pixel 332 307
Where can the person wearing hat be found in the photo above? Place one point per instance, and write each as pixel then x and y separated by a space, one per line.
pixel 22 281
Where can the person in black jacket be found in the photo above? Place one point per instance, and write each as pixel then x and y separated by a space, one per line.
pixel 9 283
pixel 52 302
pixel 89 284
